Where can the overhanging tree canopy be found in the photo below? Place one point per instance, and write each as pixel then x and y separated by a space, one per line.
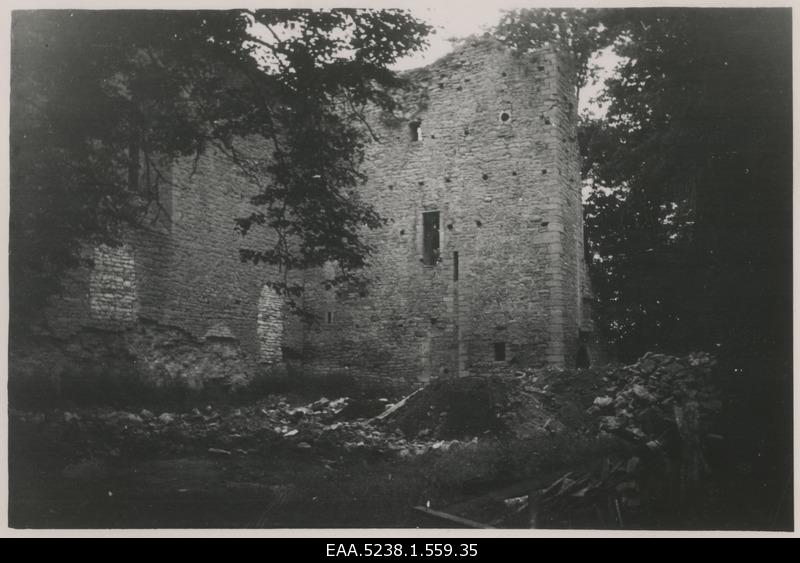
pixel 103 100
pixel 689 215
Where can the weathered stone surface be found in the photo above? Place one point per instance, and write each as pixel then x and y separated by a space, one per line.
pixel 508 195
pixel 154 354
pixel 496 157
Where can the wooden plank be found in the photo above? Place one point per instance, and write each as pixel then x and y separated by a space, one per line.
pixel 558 481
pixel 399 404
pixel 451 517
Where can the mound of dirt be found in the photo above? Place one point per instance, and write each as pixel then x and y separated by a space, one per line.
pixel 533 402
pixel 470 406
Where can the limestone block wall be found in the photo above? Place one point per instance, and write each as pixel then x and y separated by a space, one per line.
pixel 182 269
pixel 270 325
pixel 112 284
pixel 488 141
pixel 194 277
pixel 490 144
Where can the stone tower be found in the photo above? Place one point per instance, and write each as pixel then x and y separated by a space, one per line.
pixel 481 266
pixel 480 269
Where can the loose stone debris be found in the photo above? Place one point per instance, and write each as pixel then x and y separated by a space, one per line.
pixel 102 431
pixel 665 408
pixel 645 401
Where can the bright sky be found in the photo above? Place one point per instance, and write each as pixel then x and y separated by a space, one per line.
pixel 460 19
pixel 451 21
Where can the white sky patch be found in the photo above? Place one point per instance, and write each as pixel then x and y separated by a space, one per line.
pixel 451 21
pixel 454 21
pixel 275 34
pixel 588 103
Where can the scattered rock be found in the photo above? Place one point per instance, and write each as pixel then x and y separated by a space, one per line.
pixel 319 404
pixel 642 393
pixel 70 416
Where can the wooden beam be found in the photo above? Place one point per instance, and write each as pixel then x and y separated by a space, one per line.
pixel 451 517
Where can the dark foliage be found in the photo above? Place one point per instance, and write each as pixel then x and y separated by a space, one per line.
pixel 103 101
pixel 688 217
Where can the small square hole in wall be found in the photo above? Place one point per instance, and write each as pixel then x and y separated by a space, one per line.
pixel 499 351
pixel 330 318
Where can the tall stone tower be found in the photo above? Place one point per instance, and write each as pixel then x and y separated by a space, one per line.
pixel 481 266
pixel 480 269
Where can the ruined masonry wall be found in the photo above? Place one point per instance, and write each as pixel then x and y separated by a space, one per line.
pixel 182 270
pixel 508 194
pixel 112 284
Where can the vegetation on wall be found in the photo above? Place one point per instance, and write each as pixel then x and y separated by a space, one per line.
pixel 103 101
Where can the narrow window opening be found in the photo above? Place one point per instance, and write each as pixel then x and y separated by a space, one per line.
pixel 415 129
pixel 499 351
pixel 430 237
pixel 582 359
pixel 455 266
pixel 330 318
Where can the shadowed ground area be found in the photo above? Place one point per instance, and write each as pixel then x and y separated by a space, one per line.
pixel 647 446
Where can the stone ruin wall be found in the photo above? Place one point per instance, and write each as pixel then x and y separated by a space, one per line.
pixel 180 274
pixel 508 195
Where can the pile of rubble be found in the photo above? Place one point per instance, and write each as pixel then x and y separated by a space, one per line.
pixel 645 401
pixel 467 407
pixel 667 407
pixel 664 407
pixel 230 431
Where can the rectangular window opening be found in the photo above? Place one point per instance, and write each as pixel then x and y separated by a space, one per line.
pixel 455 266
pixel 499 351
pixel 430 238
pixel 415 129
pixel 330 317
